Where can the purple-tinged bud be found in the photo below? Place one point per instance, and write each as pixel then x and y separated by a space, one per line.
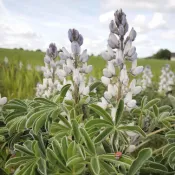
pixel 73 35
pixel 113 27
pixel 132 34
pixel 52 51
pixel 80 40
pixel 121 30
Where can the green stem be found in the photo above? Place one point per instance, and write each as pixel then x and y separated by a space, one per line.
pixel 160 130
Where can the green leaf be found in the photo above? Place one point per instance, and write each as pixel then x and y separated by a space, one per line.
pixel 133 128
pixel 65 146
pixel 42 166
pixel 172 99
pixel 101 112
pixel 156 110
pixel 95 165
pixel 97 123
pixel 102 136
pixel 142 157
pixel 23 149
pixel 33 117
pixel 144 101
pixel 64 120
pixel 154 167
pixel 82 151
pixel 90 145
pixel 94 85
pixel 71 151
pixel 58 150
pixel 39 123
pixel 72 161
pixel 52 157
pixel 63 92
pixel 45 101
pixel 119 112
pixel 76 131
pixel 18 161
pixel 151 103
pixel 168 150
pixel 164 108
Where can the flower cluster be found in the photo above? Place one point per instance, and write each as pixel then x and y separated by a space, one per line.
pixel 72 65
pixel 120 50
pixel 167 79
pixel 146 77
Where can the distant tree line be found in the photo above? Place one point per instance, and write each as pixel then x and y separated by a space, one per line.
pixel 162 54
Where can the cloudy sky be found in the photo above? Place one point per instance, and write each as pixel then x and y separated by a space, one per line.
pixel 33 24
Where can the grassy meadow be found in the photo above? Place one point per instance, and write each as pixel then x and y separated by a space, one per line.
pixel 17 83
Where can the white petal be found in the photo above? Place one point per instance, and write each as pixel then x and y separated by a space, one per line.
pixel 3 101
pixel 107 95
pixel 105 80
pixel 106 73
pixel 106 56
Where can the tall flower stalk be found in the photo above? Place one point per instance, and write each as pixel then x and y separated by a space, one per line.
pixel 167 79
pixel 119 51
pixel 146 77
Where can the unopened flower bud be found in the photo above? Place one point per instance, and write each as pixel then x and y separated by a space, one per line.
pixel 132 51
pixel 132 34
pixel 119 57
pixel 121 30
pixel 73 35
pixel 113 27
pixel 52 51
pixel 113 41
pixel 80 40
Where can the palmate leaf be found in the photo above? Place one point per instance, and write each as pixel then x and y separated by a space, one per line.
pixel 142 157
pixel 101 112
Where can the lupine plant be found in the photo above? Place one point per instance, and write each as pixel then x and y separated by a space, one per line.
pixel 119 51
pixel 146 77
pixel 167 79
pixel 77 130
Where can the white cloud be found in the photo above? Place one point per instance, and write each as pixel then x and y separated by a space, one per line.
pixel 15 32
pixel 170 35
pixel 148 5
pixel 157 21
pixel 106 17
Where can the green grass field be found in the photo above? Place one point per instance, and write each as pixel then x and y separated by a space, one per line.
pixel 36 58
pixel 13 81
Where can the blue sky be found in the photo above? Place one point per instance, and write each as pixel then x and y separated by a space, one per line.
pixel 34 24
